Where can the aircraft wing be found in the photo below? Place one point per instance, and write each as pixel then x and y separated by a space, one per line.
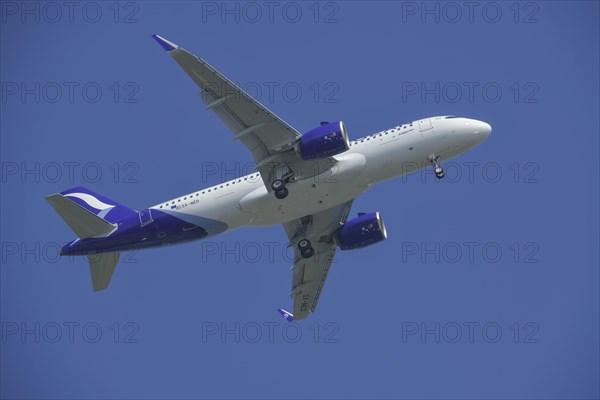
pixel 269 138
pixel 309 274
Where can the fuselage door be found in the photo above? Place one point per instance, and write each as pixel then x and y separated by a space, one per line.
pixel 145 217
pixel 425 124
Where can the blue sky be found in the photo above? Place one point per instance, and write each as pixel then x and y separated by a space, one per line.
pixel 487 287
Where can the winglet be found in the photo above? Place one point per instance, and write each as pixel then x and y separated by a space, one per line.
pixel 286 314
pixel 168 46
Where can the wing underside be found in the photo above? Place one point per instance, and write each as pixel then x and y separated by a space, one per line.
pixel 309 274
pixel 269 138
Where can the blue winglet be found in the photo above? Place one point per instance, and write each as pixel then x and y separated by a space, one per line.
pixel 286 314
pixel 165 44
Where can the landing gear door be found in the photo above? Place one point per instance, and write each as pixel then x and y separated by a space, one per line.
pixel 425 124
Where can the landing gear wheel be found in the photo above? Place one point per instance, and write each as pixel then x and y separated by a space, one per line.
pixel 439 172
pixel 304 244
pixel 281 193
pixel 308 253
pixel 279 189
pixel 277 185
pixel 305 247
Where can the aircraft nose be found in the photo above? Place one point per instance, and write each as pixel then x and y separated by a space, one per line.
pixel 481 129
pixel 486 129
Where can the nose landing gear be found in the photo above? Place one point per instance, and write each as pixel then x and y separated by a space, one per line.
pixel 439 171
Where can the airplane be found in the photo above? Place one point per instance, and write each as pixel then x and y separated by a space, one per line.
pixel 305 182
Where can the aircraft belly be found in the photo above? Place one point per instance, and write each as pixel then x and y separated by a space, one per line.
pixel 222 208
pixel 307 196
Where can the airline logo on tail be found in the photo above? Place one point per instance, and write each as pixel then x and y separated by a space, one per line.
pixel 97 204
pixel 286 314
pixel 93 202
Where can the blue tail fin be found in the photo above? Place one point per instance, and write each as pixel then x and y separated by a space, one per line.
pixel 99 205
pixel 92 215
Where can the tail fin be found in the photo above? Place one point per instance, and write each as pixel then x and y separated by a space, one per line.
pixel 91 215
pixel 103 207
pixel 87 213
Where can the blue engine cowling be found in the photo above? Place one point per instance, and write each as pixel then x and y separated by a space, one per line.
pixel 362 231
pixel 324 141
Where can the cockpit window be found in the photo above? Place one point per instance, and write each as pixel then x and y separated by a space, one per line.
pixel 451 116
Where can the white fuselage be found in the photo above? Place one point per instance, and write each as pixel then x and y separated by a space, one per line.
pixel 387 154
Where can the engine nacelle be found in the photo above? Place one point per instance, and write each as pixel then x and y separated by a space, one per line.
pixel 324 141
pixel 362 231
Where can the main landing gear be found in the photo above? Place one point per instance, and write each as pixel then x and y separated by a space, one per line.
pixel 278 186
pixel 439 171
pixel 306 249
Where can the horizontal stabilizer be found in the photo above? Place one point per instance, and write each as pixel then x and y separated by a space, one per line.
pixel 102 267
pixel 83 222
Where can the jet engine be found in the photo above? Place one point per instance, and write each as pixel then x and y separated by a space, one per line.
pixel 327 140
pixel 362 231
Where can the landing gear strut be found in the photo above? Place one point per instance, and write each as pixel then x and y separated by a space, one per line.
pixel 439 171
pixel 279 188
pixel 306 249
